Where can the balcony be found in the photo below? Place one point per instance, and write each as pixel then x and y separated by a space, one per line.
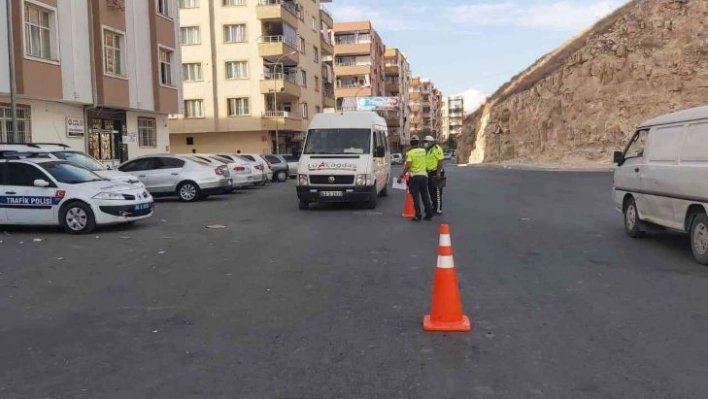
pixel 286 85
pixel 326 16
pixel 328 99
pixel 352 90
pixel 285 120
pixel 393 88
pixel 415 96
pixel 277 10
pixel 352 69
pixel 273 48
pixel 392 69
pixel 344 47
pixel 326 46
pixel 393 122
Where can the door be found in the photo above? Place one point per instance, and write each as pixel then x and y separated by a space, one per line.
pixel 166 171
pixel 140 168
pixel 661 175
pixel 379 162
pixel 628 176
pixel 25 203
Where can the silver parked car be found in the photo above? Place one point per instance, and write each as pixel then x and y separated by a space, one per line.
pixel 279 166
pixel 185 176
pixel 292 164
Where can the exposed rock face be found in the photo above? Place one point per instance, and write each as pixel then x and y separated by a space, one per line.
pixel 581 102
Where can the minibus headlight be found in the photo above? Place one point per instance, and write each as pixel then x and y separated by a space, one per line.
pixel 364 180
pixel 302 180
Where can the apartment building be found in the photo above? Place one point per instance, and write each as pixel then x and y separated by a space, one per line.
pixel 98 76
pixel 397 84
pixel 358 62
pixel 426 107
pixel 254 74
pixel 453 114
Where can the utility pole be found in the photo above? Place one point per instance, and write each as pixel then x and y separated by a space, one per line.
pixel 11 61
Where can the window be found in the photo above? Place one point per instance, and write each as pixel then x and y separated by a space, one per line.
pixel 190 140
pixel 39 35
pixel 304 111
pixel 146 132
pixel 190 35
pixel 666 144
pixel 237 70
pixel 166 67
pixel 188 3
pixel 314 23
pixel 24 175
pixel 235 33
pixel 316 54
pixel 138 165
pixel 301 44
pixel 272 159
pixel 194 108
pixel 168 163
pixel 228 3
pixel 23 135
pixel 317 83
pixel 238 106
pixel 304 78
pixel 112 53
pixel 163 8
pixel 636 147
pixel 192 72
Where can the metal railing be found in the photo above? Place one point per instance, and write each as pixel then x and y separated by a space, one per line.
pixel 281 114
pixel 278 39
pixel 352 63
pixel 329 93
pixel 350 85
pixel 292 78
pixel 351 41
pixel 285 4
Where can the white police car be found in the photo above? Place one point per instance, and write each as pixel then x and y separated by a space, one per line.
pixel 40 191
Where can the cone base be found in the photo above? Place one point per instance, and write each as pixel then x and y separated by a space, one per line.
pixel 408 216
pixel 463 325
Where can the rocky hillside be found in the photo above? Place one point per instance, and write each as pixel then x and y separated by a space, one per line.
pixel 582 101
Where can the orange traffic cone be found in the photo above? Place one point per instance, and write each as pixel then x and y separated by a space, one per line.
pixel 446 313
pixel 408 209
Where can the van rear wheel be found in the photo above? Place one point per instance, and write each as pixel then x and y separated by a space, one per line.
pixel 699 238
pixel 632 224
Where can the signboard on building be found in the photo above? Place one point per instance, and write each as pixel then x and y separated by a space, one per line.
pixel 377 103
pixel 74 127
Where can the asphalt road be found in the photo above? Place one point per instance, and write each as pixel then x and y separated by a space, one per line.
pixel 328 303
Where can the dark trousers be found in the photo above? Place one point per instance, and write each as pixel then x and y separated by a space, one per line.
pixel 435 192
pixel 419 188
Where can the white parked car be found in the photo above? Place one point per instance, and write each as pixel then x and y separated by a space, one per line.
pixel 62 151
pixel 660 180
pixel 241 175
pixel 41 191
pixel 265 166
pixel 185 176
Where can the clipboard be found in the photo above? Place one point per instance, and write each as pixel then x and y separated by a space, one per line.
pixel 399 186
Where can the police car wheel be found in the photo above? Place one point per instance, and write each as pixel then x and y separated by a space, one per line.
pixel 77 218
pixel 188 192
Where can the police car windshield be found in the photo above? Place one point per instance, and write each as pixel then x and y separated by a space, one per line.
pixel 69 173
pixel 338 141
pixel 80 159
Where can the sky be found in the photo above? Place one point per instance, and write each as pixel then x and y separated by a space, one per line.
pixel 471 47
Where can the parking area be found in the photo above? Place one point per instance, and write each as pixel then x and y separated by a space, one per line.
pixel 244 295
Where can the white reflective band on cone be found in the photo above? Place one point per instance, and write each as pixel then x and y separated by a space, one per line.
pixel 446 262
pixel 445 240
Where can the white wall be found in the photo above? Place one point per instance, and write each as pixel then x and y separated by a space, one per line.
pixel 75 51
pixel 138 54
pixel 4 54
pixel 48 121
pixel 163 139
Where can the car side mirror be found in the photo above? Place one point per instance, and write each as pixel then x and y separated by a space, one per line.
pixel 380 152
pixel 41 183
pixel 618 157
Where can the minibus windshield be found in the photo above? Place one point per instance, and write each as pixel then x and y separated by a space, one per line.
pixel 338 141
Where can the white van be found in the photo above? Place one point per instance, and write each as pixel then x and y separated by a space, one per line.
pixel 346 158
pixel 662 178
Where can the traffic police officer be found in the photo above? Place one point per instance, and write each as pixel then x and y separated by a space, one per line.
pixel 418 185
pixel 434 163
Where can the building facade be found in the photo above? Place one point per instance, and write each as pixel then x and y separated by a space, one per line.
pixel 426 108
pixel 453 115
pixel 398 78
pixel 99 76
pixel 358 62
pixel 254 74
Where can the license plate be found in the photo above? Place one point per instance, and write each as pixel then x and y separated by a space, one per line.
pixel 331 193
pixel 141 207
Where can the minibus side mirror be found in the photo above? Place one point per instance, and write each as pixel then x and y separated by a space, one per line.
pixel 618 157
pixel 380 152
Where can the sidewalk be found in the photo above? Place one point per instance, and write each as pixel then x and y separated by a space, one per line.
pixel 585 167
